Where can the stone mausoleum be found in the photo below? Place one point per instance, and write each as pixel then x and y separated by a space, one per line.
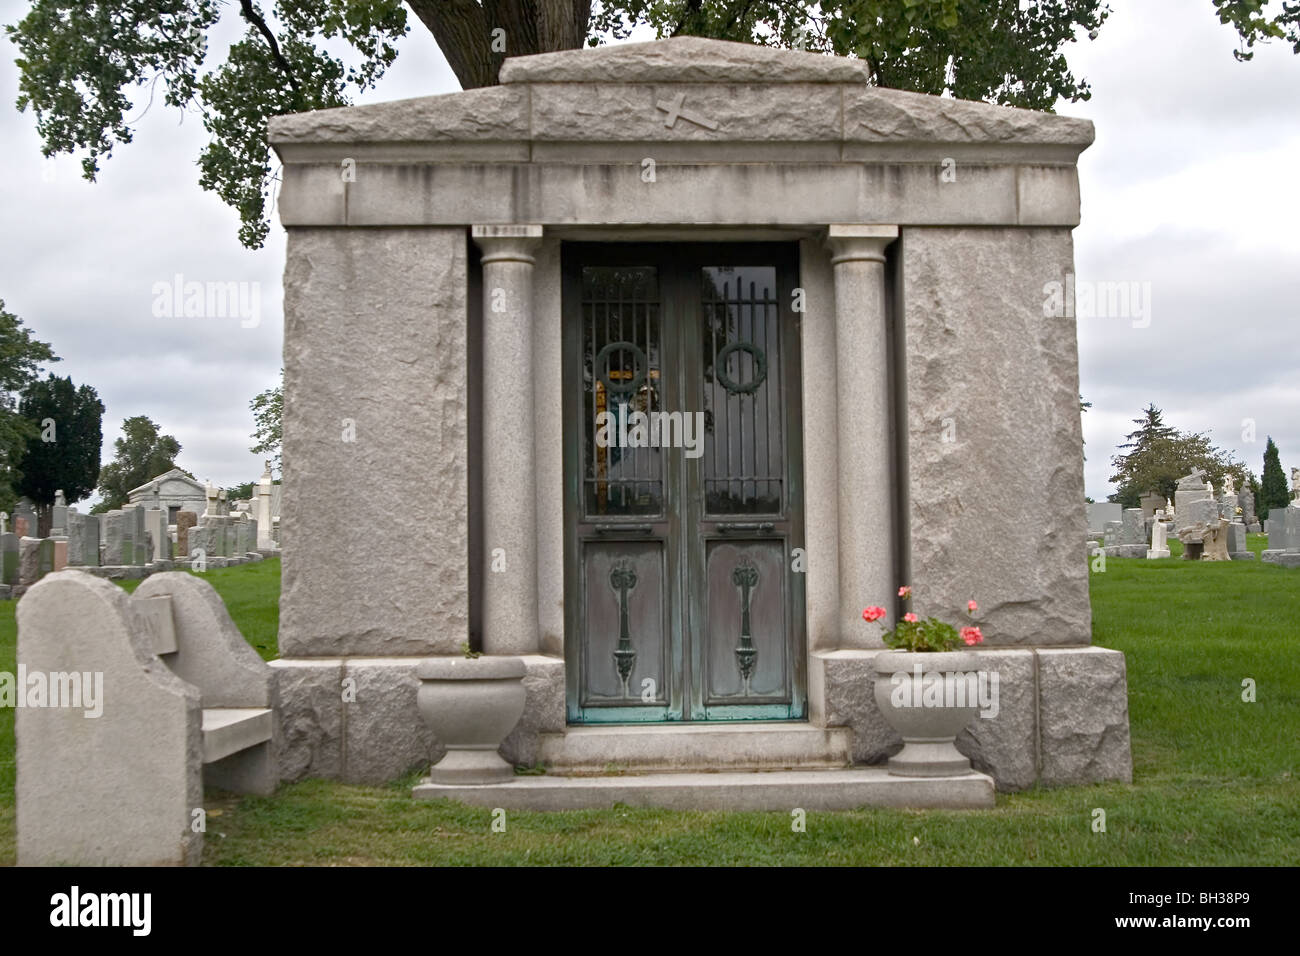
pixel 833 313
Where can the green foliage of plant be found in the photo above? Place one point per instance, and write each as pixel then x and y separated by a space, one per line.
pixel 71 418
pixel 141 454
pixel 928 635
pixel 1273 491
pixel 268 418
pixel 20 359
pixel 468 651
pixel 81 61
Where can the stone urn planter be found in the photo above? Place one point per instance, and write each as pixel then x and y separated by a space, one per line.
pixel 471 704
pixel 921 697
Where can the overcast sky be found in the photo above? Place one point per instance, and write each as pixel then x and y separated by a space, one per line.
pixel 1190 188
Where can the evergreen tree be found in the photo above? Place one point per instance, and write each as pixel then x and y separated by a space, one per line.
pixel 1158 455
pixel 1273 491
pixel 62 453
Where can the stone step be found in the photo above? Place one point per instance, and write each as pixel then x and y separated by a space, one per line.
pixel 782 790
pixel 651 748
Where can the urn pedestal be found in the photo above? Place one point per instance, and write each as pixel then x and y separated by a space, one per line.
pixel 928 698
pixel 471 705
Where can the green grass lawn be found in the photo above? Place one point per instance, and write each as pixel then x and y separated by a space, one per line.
pixel 1215 778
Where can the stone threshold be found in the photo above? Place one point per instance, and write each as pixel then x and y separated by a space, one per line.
pixel 786 790
pixel 696 746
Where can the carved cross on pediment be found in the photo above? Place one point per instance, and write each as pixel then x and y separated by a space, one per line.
pixel 674 110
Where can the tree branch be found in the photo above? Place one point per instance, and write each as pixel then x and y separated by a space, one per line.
pixel 252 16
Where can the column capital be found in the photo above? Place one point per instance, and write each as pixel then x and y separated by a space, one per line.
pixel 507 242
pixel 859 243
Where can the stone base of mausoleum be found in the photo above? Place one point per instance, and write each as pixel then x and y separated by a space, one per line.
pixel 1061 718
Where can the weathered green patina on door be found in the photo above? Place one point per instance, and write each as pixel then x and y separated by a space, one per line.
pixel 684 593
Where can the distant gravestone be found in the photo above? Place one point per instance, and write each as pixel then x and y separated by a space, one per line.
pixel 1191 488
pixel 1101 512
pixel 1131 541
pixel 1150 503
pixel 83 545
pixel 139 535
pixel 45 558
pixel 9 559
pixel 26 512
pixel 1159 537
pixel 185 520
pixel 59 516
pixel 160 541
pixel 113 530
pixel 1237 549
pixel 29 560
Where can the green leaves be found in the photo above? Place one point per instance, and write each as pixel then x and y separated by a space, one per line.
pixel 20 359
pixel 930 635
pixel 81 63
pixel 79 59
pixel 69 462
pixel 268 413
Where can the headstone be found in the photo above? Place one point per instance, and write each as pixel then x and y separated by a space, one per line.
pixel 1248 516
pixel 59 516
pixel 1101 512
pixel 116 543
pixel 1284 536
pixel 1150 503
pixel 199 541
pixel 263 509
pixel 83 540
pixel 9 559
pixel 155 520
pixel 29 560
pixel 254 536
pixel 4 522
pixel 185 520
pixel 1190 488
pixel 45 557
pixel 139 533
pixel 1159 543
pixel 1237 549
pixel 1131 542
pixel 25 511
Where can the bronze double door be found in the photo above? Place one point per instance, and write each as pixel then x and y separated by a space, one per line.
pixel 684 583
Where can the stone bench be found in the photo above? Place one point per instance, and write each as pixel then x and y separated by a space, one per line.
pixel 184 702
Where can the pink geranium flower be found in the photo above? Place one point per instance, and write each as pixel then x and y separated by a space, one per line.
pixel 909 617
pixel 905 591
pixel 873 614
pixel 972 635
pixel 972 606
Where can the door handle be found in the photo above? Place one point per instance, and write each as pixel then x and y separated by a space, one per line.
pixel 737 527
pixel 623 529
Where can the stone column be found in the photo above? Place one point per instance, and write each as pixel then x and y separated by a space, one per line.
pixel 865 430
pixel 263 512
pixel 509 456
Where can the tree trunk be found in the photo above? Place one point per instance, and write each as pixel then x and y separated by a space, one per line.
pixel 476 38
